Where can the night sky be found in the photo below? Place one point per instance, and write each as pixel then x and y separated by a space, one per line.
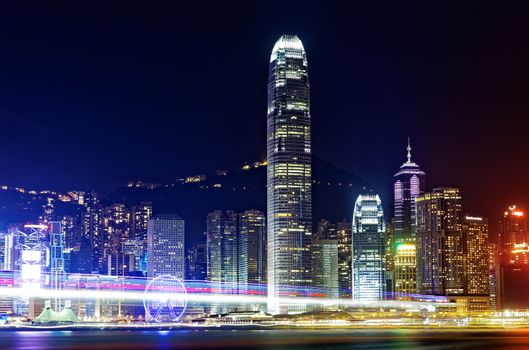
pixel 94 95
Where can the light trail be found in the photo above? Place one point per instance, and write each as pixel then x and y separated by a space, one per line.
pixel 138 284
pixel 209 298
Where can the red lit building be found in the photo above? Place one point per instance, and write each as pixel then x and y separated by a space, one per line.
pixel 513 260
pixel 514 232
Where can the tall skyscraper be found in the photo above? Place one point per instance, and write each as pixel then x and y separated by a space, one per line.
pixel 56 261
pixel 289 196
pixel 476 246
pixel 252 246
pixel 343 233
pixel 116 227
pixel 139 220
pixel 324 249
pixel 2 248
pixel 116 230
pixel 513 260
pixel 369 249
pixel 405 270
pixel 325 258
pixel 233 251
pixel 514 230
pixel 223 251
pixel 71 230
pixel 214 230
pixel 409 183
pixel 493 273
pixel 390 257
pixel 440 246
pixel 93 232
pixel 230 254
pixel 11 253
pixel 165 246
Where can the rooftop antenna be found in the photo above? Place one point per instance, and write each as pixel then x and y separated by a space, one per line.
pixel 409 150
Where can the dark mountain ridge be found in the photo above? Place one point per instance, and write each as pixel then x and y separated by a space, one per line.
pixel 334 194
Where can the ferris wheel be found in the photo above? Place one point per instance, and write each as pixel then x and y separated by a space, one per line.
pixel 164 299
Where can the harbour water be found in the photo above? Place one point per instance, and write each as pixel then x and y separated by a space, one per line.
pixel 339 339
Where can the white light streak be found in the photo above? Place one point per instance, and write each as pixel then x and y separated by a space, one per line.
pixel 211 298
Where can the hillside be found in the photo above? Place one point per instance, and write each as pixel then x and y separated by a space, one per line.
pixel 334 193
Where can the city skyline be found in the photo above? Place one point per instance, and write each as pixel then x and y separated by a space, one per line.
pixel 419 109
pixel 178 175
pixel 289 172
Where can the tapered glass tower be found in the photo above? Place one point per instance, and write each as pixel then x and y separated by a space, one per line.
pixel 368 250
pixel 289 199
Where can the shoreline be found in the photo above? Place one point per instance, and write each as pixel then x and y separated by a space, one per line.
pixel 113 328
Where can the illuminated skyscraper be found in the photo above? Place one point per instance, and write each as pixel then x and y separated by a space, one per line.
pixel 325 259
pixel 116 227
pixel 405 270
pixel 165 246
pixel 93 232
pixel 116 230
pixel 252 246
pixel 71 231
pixel 514 230
pixel 343 233
pixel 231 240
pixel 139 219
pixel 2 247
pixel 11 253
pixel 56 261
pixel 369 249
pixel 214 230
pixel 440 245
pixel 513 260
pixel 230 253
pixel 476 240
pixel 493 273
pixel 409 183
pixel 326 231
pixel 222 244
pixel 289 198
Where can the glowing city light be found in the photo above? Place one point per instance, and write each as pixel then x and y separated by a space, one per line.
pixel 520 248
pixel 210 298
pixel 514 211
pixel 36 226
pixel 404 246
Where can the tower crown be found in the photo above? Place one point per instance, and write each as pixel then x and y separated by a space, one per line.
pixel 290 45
pixel 409 162
pixel 409 167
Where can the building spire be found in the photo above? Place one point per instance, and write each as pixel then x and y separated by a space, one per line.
pixel 409 150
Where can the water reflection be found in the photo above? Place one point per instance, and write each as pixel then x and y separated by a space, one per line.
pixel 269 339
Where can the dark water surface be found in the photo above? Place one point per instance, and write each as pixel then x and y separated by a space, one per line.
pixel 269 339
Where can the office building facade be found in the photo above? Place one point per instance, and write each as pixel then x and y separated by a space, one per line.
pixel 440 244
pixel 476 250
pixel 165 246
pixel 252 246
